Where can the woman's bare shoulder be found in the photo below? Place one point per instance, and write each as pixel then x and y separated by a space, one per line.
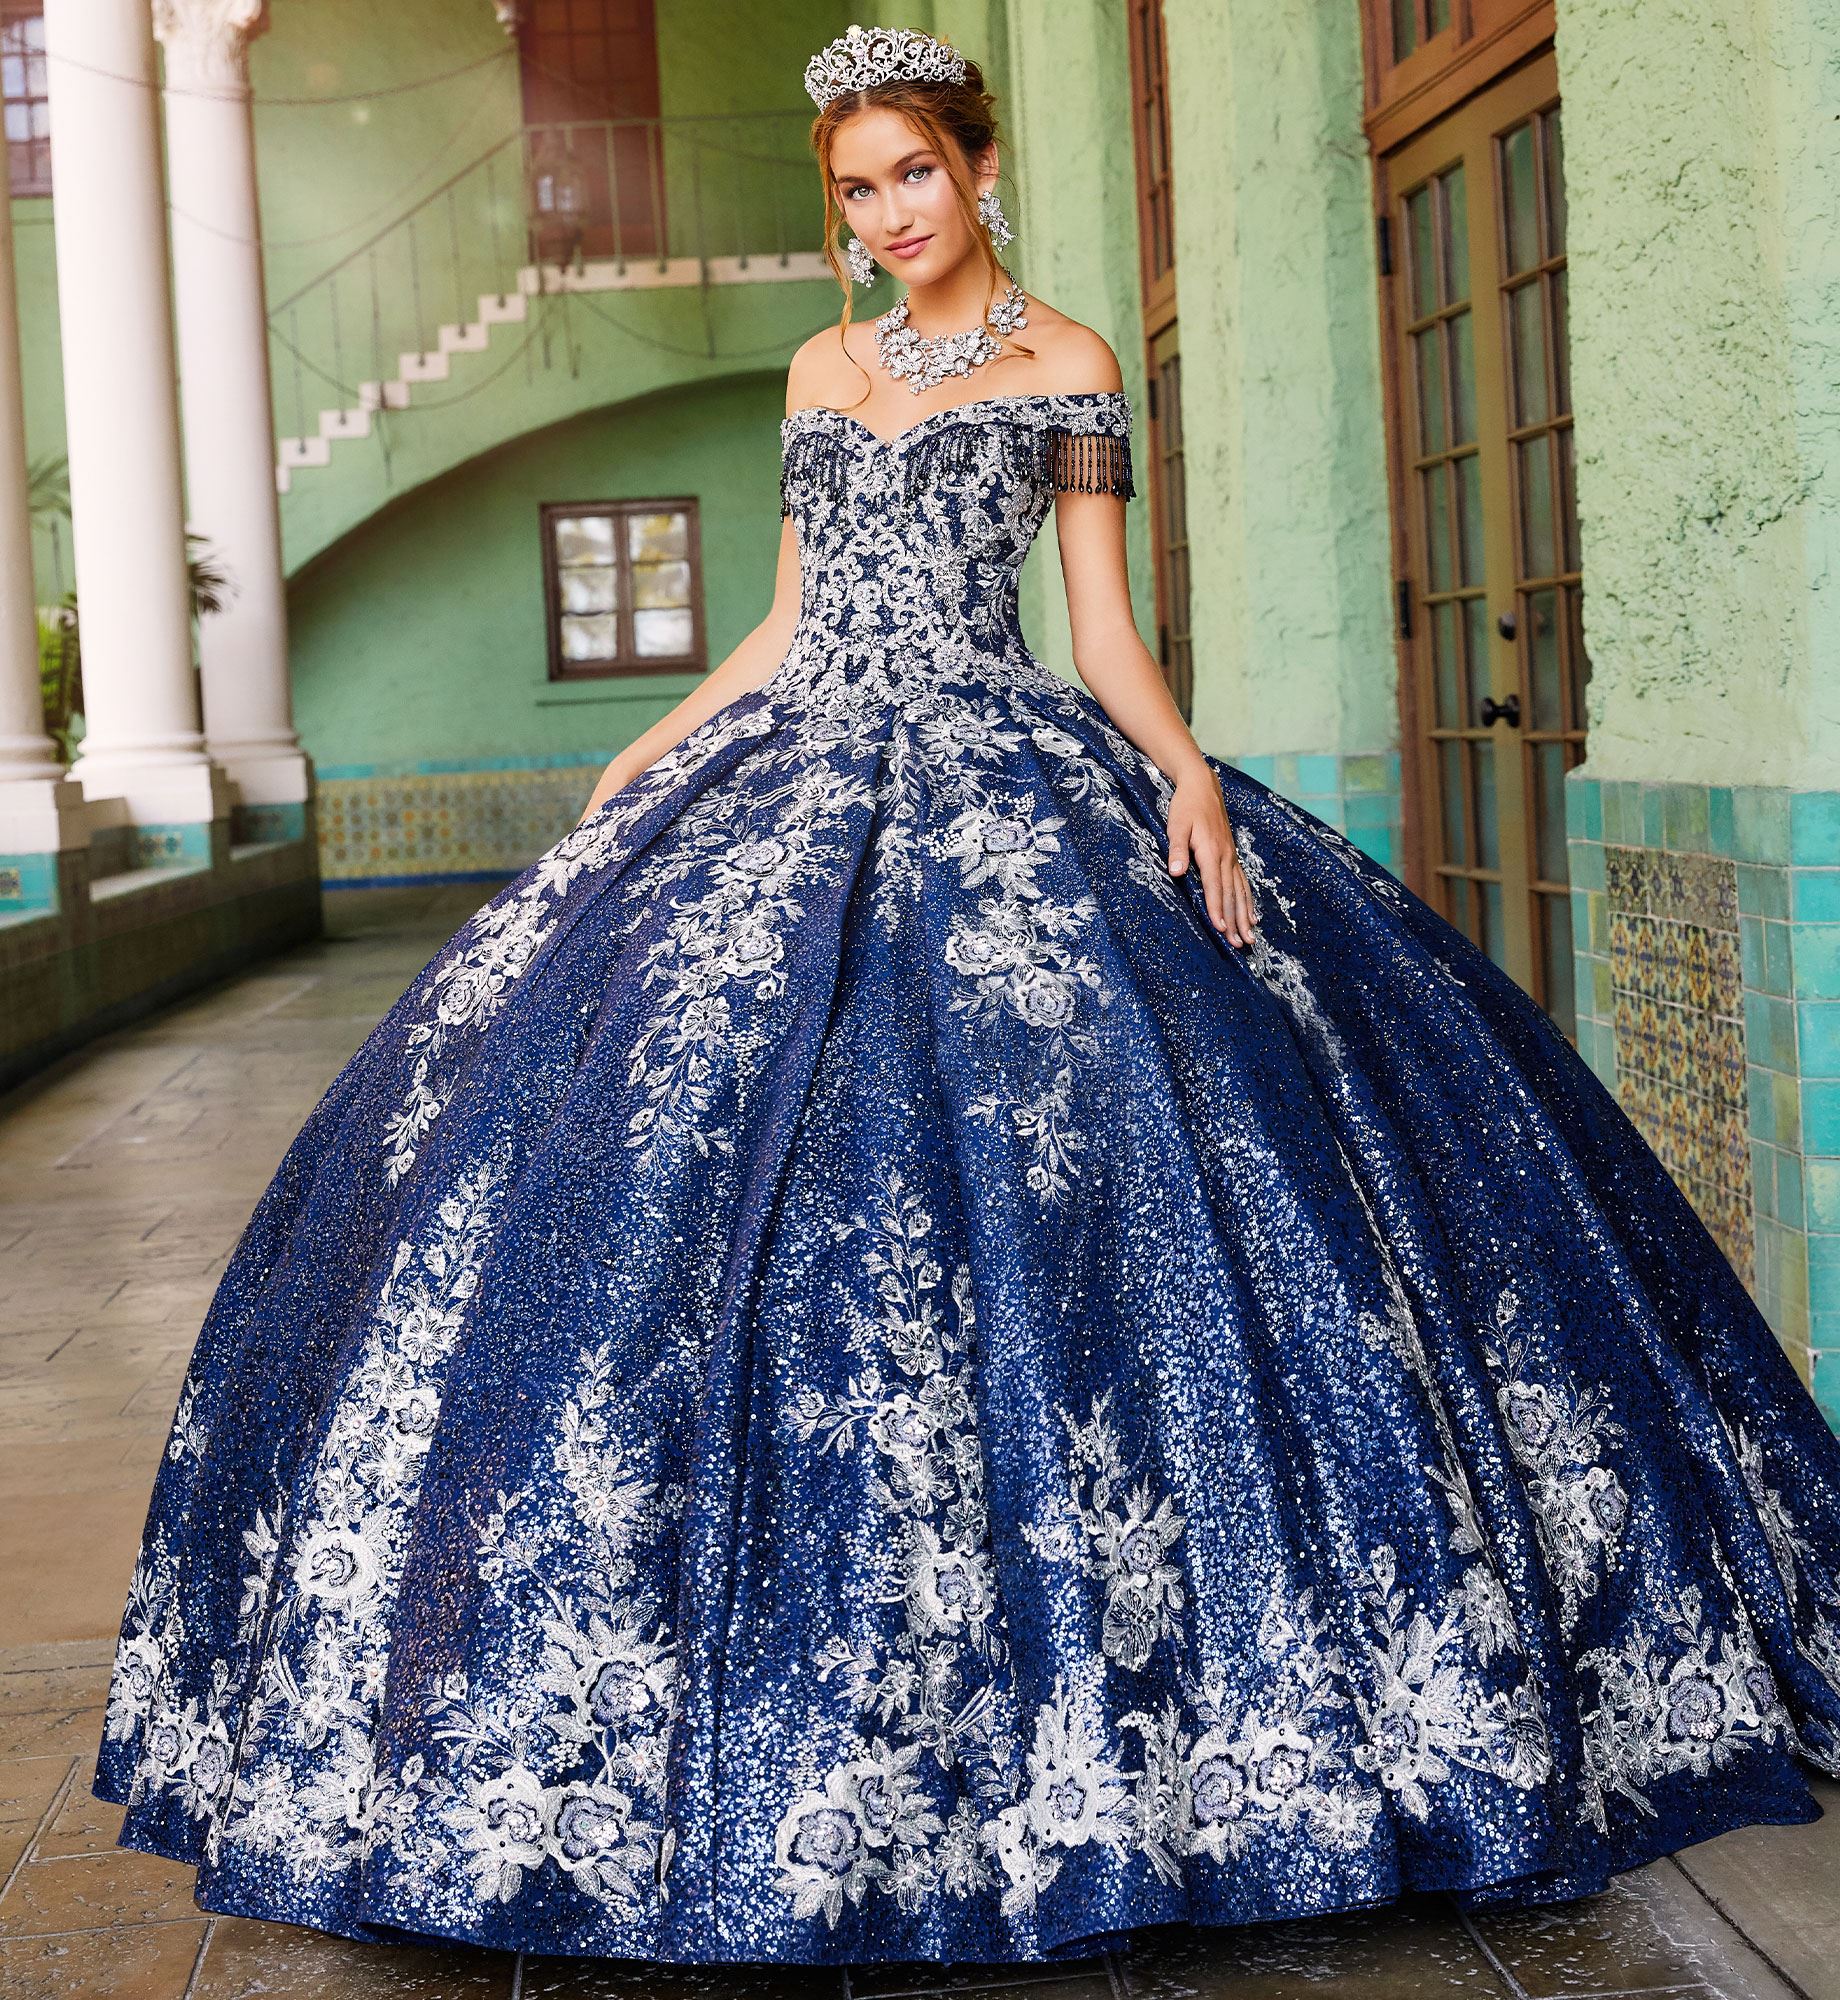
pixel 1070 358
pixel 828 369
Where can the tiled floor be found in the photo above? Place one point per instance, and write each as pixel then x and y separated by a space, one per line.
pixel 125 1177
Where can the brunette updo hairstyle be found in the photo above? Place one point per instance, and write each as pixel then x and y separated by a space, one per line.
pixel 958 121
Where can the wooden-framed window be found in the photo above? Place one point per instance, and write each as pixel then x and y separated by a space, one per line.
pixel 1156 238
pixel 22 76
pixel 623 587
pixel 1424 56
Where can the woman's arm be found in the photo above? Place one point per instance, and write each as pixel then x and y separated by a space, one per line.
pixel 743 671
pixel 1116 665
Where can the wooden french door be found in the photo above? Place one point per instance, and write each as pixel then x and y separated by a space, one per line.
pixel 590 69
pixel 1490 591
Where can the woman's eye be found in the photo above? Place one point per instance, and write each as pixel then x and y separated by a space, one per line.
pixel 918 173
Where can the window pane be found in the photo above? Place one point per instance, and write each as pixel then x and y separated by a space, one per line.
pixel 1429 349
pixel 1528 327
pixel 662 635
pixel 1447 667
pixel 1538 542
pixel 1439 16
pixel 1488 827
pixel 1549 811
pixel 592 638
pixel 1491 932
pixel 1456 235
pixel 1469 515
pixel 1421 252
pixel 18 122
pixel 588 589
pixel 661 586
pixel 1405 28
pixel 1520 198
pixel 1462 380
pixel 584 538
pixel 1450 783
pixel 1436 482
pixel 1541 612
pixel 650 536
pixel 1476 649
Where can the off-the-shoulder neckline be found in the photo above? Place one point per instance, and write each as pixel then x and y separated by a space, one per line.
pixel 899 438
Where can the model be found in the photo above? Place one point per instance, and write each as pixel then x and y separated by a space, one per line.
pixel 951 1330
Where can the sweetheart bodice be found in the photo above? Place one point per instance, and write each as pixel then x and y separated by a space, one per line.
pixel 911 545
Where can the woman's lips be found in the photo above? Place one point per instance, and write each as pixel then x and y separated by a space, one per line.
pixel 910 246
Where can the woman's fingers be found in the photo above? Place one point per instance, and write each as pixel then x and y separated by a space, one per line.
pixel 1178 846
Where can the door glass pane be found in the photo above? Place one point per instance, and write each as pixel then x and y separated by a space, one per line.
pixel 1447 667
pixel 1561 1000
pixel 1520 193
pixel 1421 253
pixel 1429 348
pixel 1456 235
pixel 1568 503
pixel 1469 515
pixel 1450 784
pixel 1580 660
pixel 1438 16
pixel 1491 933
pixel 1405 28
pixel 1549 811
pixel 1488 825
pixel 1436 480
pixel 1462 379
pixel 1538 543
pixel 1540 610
pixel 1476 652
pixel 1555 185
pixel 1527 348
pixel 1562 374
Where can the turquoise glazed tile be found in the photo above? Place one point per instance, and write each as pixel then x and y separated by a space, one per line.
pixel 1685 827
pixel 1719 825
pixel 1368 774
pixel 1817 1027
pixel 1814 829
pixel 1761 1098
pixel 1823 1279
pixel 1778 974
pixel 1821 1190
pixel 1760 822
pixel 1653 822
pixel 1317 774
pixel 1816 895
pixel 1763 892
pixel 1821 1118
pixel 1376 842
pixel 1763 1179
pixel 1769 1031
pixel 1284 772
pixel 1575 789
pixel 1369 809
pixel 1587 864
pixel 1789 1189
pixel 1815 951
pixel 1750 949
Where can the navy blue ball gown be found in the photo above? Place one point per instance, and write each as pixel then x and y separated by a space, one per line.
pixel 840 1379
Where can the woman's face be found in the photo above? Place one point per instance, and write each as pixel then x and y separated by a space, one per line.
pixel 897 195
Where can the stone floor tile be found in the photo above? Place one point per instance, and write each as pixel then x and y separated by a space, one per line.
pixel 150 1962
pixel 244 1960
pixel 29 1788
pixel 1649 1932
pixel 82 1824
pixel 1083 1979
pixel 554 1978
pixel 1783 1883
pixel 95 1892
pixel 1418 1949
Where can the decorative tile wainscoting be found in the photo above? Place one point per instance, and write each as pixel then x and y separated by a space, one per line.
pixel 447 822
pixel 1706 922
pixel 1355 792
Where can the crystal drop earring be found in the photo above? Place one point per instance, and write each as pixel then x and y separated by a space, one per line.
pixel 858 262
pixel 990 214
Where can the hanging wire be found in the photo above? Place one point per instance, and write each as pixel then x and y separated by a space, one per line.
pixel 264 102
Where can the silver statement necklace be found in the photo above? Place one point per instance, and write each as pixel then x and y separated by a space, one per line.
pixel 924 361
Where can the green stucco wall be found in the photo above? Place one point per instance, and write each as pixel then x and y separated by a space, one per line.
pixel 1276 291
pixel 42 371
pixel 421 638
pixel 1703 178
pixel 1068 114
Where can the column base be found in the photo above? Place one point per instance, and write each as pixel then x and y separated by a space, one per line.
pixel 43 824
pixel 263 775
pixel 157 794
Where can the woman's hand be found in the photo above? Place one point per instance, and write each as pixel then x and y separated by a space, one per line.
pixel 1199 833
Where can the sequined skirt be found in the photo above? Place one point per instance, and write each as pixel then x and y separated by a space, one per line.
pixel 841 1380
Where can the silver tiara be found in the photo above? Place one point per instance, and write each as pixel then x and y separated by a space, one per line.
pixel 863 57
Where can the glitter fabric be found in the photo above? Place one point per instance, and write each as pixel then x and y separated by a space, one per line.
pixel 840 1379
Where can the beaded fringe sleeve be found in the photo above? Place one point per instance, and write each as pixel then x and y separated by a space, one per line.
pixel 1061 453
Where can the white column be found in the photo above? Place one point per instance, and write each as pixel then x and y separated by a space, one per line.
pixel 143 740
pixel 36 800
pixel 224 390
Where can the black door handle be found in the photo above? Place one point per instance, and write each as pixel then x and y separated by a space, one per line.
pixel 1508 711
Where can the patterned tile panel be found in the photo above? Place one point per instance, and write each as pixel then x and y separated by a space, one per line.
pixel 1677 991
pixel 426 825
